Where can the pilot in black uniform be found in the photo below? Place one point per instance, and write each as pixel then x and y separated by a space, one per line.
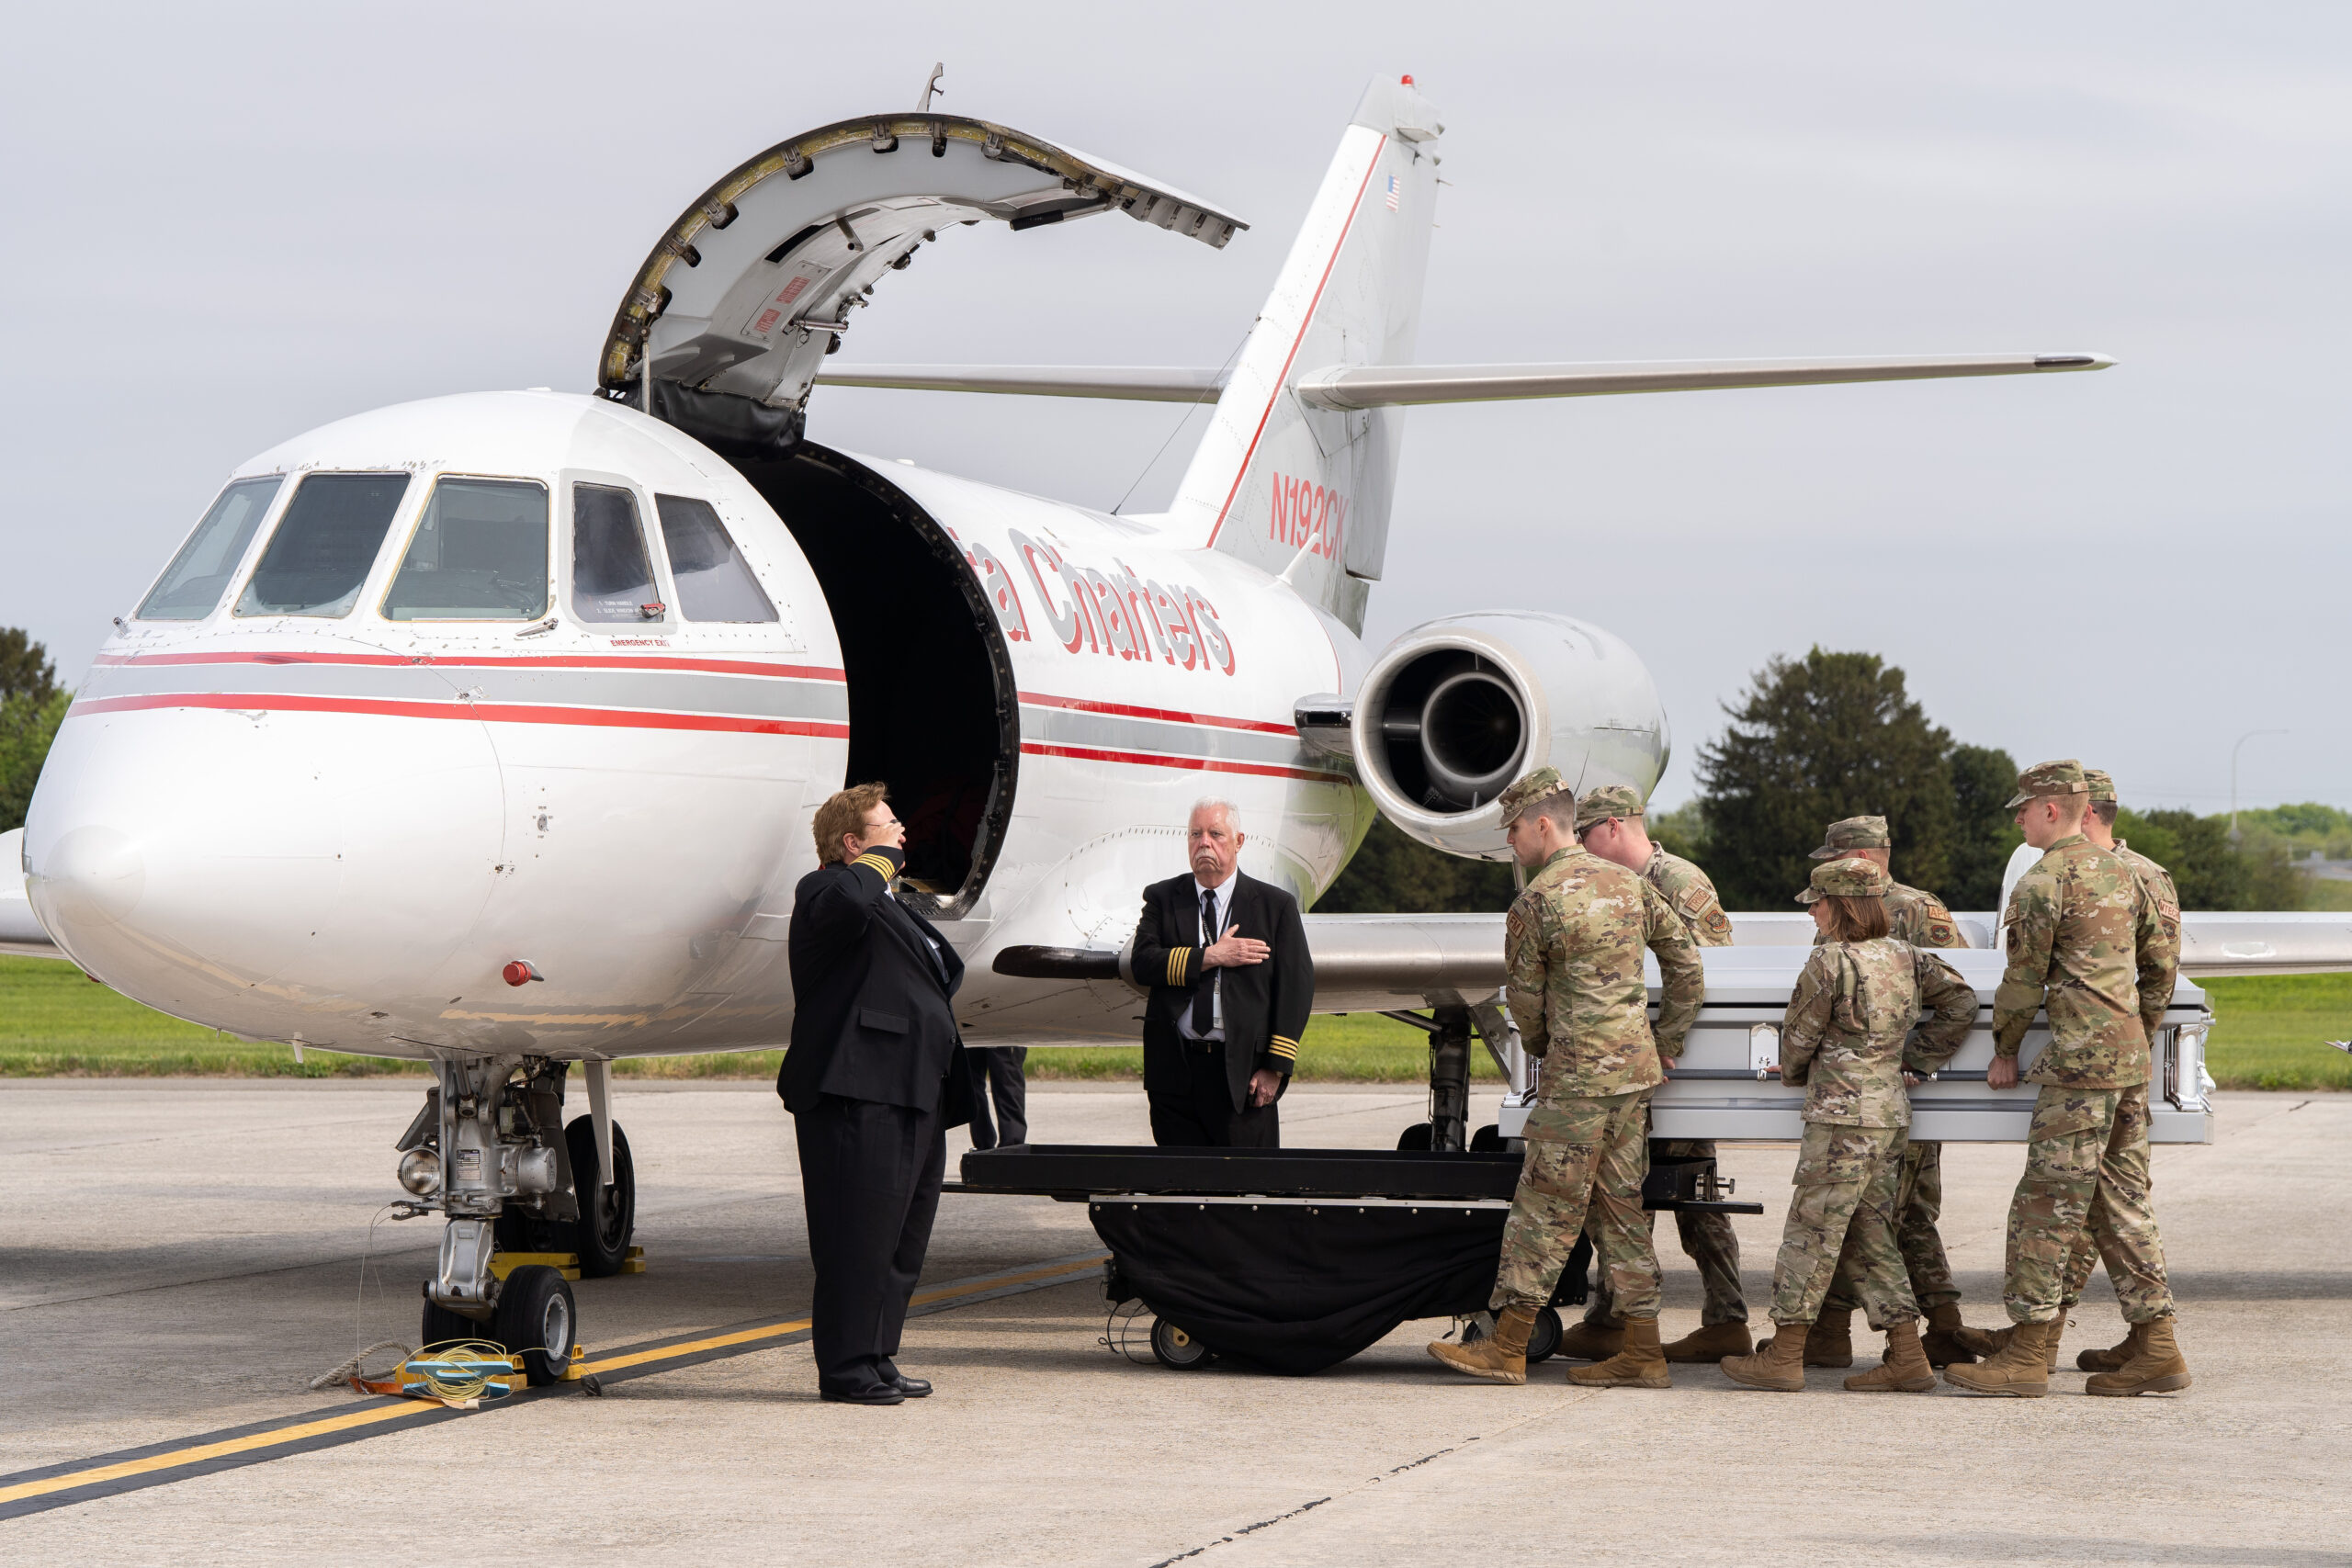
pixel 875 1076
pixel 1232 986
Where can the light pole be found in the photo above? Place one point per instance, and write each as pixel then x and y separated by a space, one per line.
pixel 2233 775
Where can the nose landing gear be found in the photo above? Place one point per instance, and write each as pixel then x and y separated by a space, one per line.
pixel 489 1149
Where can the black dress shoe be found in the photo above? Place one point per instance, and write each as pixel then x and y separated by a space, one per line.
pixel 914 1388
pixel 863 1394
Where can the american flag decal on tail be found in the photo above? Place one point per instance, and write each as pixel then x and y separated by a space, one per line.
pixel 1392 193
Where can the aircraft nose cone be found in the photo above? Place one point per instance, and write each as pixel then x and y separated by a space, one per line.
pixel 93 878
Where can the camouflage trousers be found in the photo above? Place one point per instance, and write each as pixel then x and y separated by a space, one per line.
pixel 1585 1159
pixel 1707 1241
pixel 1919 1203
pixel 2085 1180
pixel 1843 1218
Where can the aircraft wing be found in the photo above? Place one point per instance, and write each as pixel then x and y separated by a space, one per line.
pixel 1386 386
pixel 1378 962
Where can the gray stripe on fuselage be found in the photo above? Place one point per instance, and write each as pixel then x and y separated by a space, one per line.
pixel 671 691
pixel 1116 732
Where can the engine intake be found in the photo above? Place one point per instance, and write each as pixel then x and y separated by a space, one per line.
pixel 1456 709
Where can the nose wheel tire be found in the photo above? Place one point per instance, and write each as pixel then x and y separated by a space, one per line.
pixel 535 1320
pixel 1174 1347
pixel 441 1325
pixel 607 1214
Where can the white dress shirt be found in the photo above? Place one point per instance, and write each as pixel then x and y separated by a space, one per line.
pixel 1224 892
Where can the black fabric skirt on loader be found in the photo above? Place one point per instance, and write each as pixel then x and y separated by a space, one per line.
pixel 1358 1241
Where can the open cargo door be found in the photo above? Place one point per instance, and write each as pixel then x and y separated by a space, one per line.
pixel 747 292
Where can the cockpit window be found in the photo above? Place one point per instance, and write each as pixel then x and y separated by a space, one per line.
pixel 318 559
pixel 612 579
pixel 192 585
pixel 715 582
pixel 479 553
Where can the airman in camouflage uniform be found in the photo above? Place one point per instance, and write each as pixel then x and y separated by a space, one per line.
pixel 2084 944
pixel 1573 980
pixel 1919 918
pixel 2155 886
pixel 1847 1039
pixel 1707 1238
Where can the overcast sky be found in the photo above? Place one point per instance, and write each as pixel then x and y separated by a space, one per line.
pixel 227 224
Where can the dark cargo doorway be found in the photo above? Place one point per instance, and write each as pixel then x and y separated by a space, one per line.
pixel 933 708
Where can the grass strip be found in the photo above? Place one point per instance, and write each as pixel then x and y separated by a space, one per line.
pixel 2270 1034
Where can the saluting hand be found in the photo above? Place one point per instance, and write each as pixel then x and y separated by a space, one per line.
pixel 1234 951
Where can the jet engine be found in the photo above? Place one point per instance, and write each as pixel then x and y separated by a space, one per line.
pixel 1456 709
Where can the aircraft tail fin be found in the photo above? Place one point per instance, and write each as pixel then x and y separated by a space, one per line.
pixel 1301 491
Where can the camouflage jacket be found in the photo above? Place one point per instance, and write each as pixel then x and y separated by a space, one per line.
pixel 1572 955
pixel 1915 916
pixel 1920 917
pixel 1847 1038
pixel 1692 896
pixel 2078 930
pixel 2157 887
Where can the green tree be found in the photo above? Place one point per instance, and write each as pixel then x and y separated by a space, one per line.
pixel 1983 779
pixel 1393 874
pixel 24 667
pixel 1681 831
pixel 26 728
pixel 2210 872
pixel 1828 736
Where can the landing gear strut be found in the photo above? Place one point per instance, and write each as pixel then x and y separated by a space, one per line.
pixel 489 1149
pixel 1449 1024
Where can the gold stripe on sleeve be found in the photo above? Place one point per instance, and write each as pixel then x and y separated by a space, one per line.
pixel 1283 1046
pixel 874 862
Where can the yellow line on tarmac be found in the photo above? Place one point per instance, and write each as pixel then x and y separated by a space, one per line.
pixel 280 1436
pixel 794 1325
pixel 198 1454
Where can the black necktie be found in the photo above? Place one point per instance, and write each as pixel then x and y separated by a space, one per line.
pixel 1204 993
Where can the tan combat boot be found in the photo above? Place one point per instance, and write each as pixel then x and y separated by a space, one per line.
pixel 1992 1341
pixel 2155 1367
pixel 1641 1364
pixel 1585 1342
pixel 1778 1366
pixel 1830 1341
pixel 1905 1368
pixel 1941 1342
pixel 1500 1357
pixel 2020 1366
pixel 2114 1356
pixel 1710 1343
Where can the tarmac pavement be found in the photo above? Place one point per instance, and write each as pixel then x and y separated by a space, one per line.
pixel 180 1257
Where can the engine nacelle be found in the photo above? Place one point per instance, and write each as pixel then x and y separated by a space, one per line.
pixel 1456 709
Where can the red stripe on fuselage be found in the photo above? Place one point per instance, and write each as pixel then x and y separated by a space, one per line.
pixel 1305 322
pixel 487 713
pixel 519 661
pixel 1206 764
pixel 1169 716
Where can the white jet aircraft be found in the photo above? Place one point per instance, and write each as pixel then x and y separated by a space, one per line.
pixel 486 729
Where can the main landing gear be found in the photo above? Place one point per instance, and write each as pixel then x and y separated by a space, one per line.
pixel 490 1150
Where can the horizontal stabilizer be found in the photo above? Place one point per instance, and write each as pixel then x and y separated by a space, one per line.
pixel 1391 386
pixel 1385 385
pixel 1152 384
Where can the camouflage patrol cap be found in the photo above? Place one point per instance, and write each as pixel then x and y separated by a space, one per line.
pixel 2064 777
pixel 2102 783
pixel 1850 878
pixel 1538 785
pixel 1853 833
pixel 1609 800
